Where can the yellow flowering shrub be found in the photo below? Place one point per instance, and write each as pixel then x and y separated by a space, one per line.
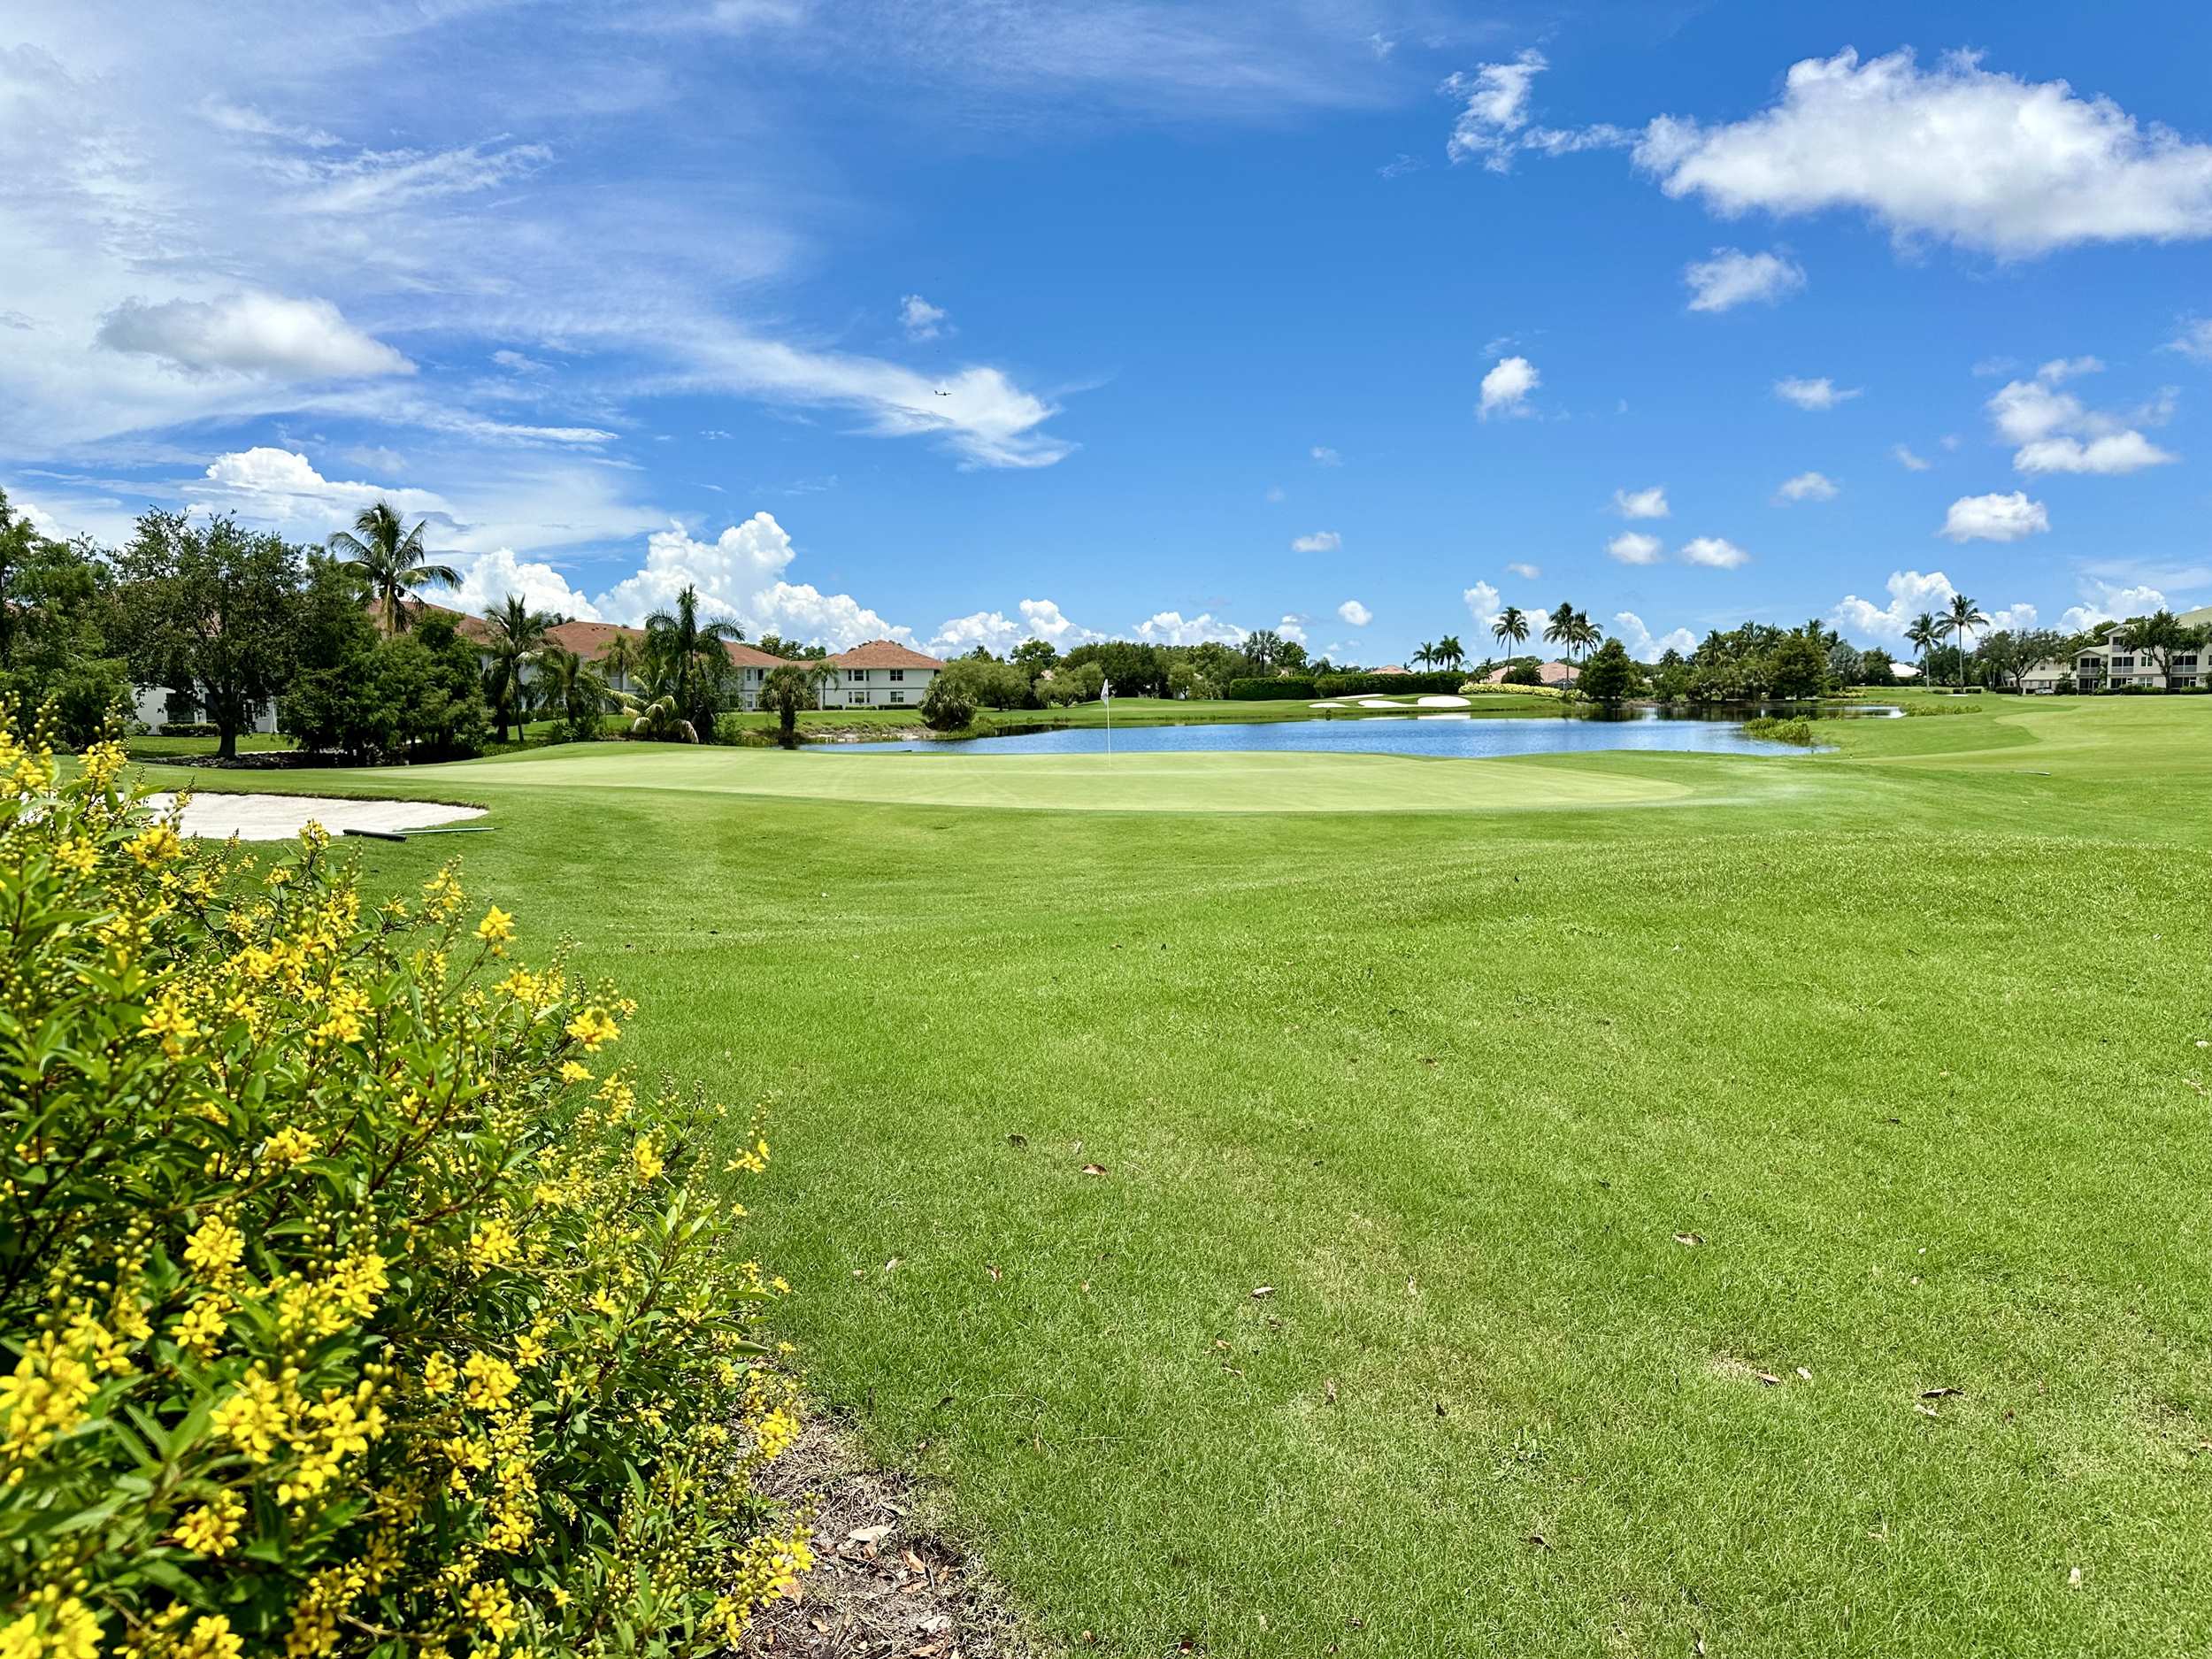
pixel 352 1300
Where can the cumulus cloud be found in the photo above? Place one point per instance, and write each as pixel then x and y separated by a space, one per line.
pixel 1641 643
pixel 1994 518
pixel 1633 547
pixel 2109 601
pixel 1641 503
pixel 1525 571
pixel 2194 341
pixel 1505 388
pixel 1733 277
pixel 920 318
pixel 252 333
pixel 489 578
pixel 273 486
pixel 1715 552
pixel 1037 620
pixel 2058 433
pixel 1906 459
pixel 1355 613
pixel 1814 395
pixel 1172 628
pixel 1483 602
pixel 1323 456
pixel 1910 593
pixel 1320 541
pixel 1956 153
pixel 1493 107
pixel 1293 627
pixel 740 575
pixel 1806 487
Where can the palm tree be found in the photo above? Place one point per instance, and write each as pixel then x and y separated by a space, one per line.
pixel 1510 628
pixel 620 659
pixel 789 690
pixel 1965 617
pixel 1922 636
pixel 576 688
pixel 388 559
pixel 1449 652
pixel 1563 629
pixel 518 634
pixel 1587 634
pixel 689 655
pixel 1424 654
pixel 658 722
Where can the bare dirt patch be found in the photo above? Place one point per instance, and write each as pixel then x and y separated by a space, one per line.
pixel 883 1585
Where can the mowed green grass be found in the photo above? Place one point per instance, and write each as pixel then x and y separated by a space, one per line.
pixel 1901 1035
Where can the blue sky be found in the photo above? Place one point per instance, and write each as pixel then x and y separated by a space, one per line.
pixel 971 319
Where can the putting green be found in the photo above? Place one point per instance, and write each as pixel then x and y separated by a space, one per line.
pixel 1181 782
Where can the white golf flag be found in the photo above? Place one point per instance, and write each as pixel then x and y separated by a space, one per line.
pixel 1105 691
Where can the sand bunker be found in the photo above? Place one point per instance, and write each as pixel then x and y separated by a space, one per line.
pixel 1329 703
pixel 276 818
pixel 1441 701
pixel 1380 703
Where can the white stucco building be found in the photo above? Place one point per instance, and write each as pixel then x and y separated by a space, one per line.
pixel 881 674
pixel 2115 664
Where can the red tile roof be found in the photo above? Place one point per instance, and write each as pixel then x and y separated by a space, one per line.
pixel 882 654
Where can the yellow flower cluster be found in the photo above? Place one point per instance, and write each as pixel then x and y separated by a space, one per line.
pixel 431 1320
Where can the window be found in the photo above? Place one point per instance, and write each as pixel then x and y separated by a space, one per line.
pixel 860 696
pixel 2122 662
pixel 898 696
pixel 855 676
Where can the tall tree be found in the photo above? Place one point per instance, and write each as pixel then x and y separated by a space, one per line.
pixel 577 688
pixel 1510 628
pixel 1922 636
pixel 1611 677
pixel 620 660
pixel 1264 649
pixel 388 559
pixel 209 608
pixel 1424 654
pixel 1449 652
pixel 1965 616
pixel 692 665
pixel 517 635
pixel 2158 636
pixel 789 689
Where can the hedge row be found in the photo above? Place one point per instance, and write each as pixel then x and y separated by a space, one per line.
pixel 1356 685
pixel 1269 690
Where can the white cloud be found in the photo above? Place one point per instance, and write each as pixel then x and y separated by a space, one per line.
pixel 1633 547
pixel 375 181
pixel 1910 593
pixel 489 578
pixel 740 575
pixel 2058 433
pixel 1293 627
pixel 2113 454
pixel 1715 552
pixel 1807 486
pixel 1956 153
pixel 1994 518
pixel 1642 644
pixel 1733 277
pixel 1525 571
pixel 1355 613
pixel 1040 619
pixel 920 318
pixel 1483 602
pixel 1320 541
pixel 1172 628
pixel 2194 341
pixel 1641 503
pixel 1814 394
pixel 1323 456
pixel 1505 389
pixel 1493 107
pixel 249 333
pixel 272 486
pixel 2108 602
pixel 1906 459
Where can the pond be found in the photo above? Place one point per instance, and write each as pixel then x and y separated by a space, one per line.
pixel 1455 735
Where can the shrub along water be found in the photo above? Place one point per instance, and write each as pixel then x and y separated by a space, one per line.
pixel 355 1303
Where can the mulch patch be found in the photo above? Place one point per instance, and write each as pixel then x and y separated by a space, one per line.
pixel 883 1586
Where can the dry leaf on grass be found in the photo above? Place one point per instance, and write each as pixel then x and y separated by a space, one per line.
pixel 1689 1238
pixel 1094 1169
pixel 1261 1292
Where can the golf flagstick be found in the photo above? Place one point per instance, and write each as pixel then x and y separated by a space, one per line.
pixel 1106 696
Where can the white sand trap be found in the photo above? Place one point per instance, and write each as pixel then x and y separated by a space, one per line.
pixel 1441 701
pixel 1331 703
pixel 1380 703
pixel 276 818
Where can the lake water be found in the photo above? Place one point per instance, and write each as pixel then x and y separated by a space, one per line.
pixel 1453 735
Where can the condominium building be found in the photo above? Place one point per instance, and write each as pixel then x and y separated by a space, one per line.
pixel 2116 665
pixel 881 674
